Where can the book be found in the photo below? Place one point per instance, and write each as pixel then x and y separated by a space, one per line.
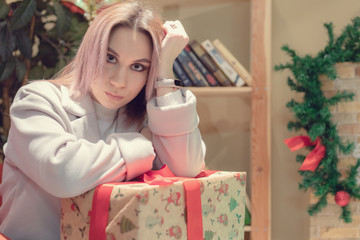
pixel 209 63
pixel 181 74
pixel 222 63
pixel 208 76
pixel 239 68
pixel 191 70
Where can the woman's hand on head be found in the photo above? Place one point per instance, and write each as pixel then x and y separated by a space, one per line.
pixel 173 43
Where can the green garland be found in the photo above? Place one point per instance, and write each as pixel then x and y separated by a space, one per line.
pixel 313 114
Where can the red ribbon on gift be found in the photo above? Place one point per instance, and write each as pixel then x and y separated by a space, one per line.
pixel 313 159
pixel 164 176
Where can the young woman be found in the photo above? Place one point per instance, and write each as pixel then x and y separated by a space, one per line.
pixel 112 114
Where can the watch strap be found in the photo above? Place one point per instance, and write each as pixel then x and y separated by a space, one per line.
pixel 168 82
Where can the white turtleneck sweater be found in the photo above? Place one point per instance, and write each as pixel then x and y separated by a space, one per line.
pixel 106 120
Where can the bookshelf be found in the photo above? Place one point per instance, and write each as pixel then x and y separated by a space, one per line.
pixel 230 106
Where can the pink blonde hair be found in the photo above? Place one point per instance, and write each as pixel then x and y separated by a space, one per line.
pixel 87 66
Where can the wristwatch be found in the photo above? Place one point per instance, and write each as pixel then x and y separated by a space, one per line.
pixel 168 82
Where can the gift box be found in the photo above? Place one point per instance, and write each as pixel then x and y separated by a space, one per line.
pixel 159 205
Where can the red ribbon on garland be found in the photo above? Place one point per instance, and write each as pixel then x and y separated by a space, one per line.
pixel 164 176
pixel 314 157
pixel 72 7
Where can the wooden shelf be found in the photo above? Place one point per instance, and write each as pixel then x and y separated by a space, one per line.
pixel 220 91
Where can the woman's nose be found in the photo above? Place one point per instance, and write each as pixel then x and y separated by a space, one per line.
pixel 119 79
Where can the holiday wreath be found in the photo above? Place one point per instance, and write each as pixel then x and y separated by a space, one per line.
pixel 319 169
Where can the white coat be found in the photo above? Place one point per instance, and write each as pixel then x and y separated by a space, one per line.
pixel 54 151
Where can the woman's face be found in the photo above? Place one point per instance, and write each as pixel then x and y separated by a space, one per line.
pixel 126 70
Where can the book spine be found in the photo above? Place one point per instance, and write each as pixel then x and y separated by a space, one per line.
pixel 209 63
pixel 181 74
pixel 239 68
pixel 194 74
pixel 208 76
pixel 222 63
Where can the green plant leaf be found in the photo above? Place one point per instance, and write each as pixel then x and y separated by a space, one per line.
pixel 48 73
pixel 42 4
pixel 316 130
pixel 63 19
pixel 2 68
pixel 24 44
pixel 47 55
pixel 76 31
pixel 7 41
pixel 7 68
pixel 60 65
pixel 20 69
pixel 4 9
pixel 23 14
pixel 36 73
pixel 3 47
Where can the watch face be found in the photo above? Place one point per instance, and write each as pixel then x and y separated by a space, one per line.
pixel 178 83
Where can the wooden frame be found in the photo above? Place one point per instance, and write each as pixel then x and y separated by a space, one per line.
pixel 260 121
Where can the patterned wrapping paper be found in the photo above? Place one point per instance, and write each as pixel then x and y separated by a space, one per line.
pixel 141 212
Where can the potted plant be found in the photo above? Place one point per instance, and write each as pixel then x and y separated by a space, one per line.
pixel 37 39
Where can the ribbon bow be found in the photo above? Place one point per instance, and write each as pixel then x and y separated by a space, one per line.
pixel 313 159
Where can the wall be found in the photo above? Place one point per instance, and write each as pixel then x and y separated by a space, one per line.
pixel 300 25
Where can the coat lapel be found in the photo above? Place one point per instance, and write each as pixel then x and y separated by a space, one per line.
pixel 84 121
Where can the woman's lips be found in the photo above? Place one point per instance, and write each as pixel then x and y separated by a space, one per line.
pixel 113 96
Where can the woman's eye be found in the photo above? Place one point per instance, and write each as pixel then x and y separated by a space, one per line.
pixel 110 58
pixel 138 67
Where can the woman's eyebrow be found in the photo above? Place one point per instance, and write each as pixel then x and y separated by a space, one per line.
pixel 113 52
pixel 145 60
